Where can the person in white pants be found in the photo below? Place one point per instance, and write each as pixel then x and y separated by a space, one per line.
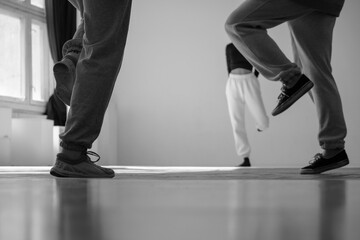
pixel 243 90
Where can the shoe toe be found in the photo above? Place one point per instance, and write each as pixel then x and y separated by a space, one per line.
pixel 109 171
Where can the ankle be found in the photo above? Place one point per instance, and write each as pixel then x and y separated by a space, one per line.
pixel 329 153
pixel 71 154
pixel 290 77
pixel 292 81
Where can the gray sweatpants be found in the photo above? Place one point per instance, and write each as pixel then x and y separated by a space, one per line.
pixel 105 25
pixel 311 35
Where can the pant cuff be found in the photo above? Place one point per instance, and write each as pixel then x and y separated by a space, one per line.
pixel 72 45
pixel 73 147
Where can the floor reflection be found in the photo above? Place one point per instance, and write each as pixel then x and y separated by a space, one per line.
pixel 77 210
pixel 44 208
pixel 332 210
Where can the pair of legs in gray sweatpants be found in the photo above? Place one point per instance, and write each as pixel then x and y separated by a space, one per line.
pixel 101 39
pixel 93 58
pixel 311 36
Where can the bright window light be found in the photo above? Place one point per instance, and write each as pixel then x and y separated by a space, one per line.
pixel 38 3
pixel 38 64
pixel 11 77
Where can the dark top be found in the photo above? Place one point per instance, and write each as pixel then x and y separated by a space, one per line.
pixel 56 110
pixel 235 59
pixel 332 7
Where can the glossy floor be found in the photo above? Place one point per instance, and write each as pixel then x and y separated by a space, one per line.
pixel 174 204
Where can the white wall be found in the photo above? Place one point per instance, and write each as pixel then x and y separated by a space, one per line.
pixel 169 105
pixel 5 136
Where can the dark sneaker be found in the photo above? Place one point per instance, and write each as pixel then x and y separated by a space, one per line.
pixel 246 163
pixel 289 96
pixel 320 164
pixel 83 167
pixel 64 72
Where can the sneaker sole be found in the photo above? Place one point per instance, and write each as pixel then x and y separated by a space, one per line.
pixel 63 95
pixel 64 80
pixel 65 174
pixel 293 98
pixel 325 168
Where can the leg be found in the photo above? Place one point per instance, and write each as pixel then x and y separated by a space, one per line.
pixel 75 44
pixel 247 28
pixel 315 58
pixel 106 26
pixel 236 106
pixel 64 70
pixel 253 100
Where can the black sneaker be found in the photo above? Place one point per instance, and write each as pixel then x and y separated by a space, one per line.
pixel 289 96
pixel 64 72
pixel 320 164
pixel 83 167
pixel 246 163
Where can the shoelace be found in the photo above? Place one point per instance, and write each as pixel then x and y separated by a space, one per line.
pixel 316 158
pixel 282 94
pixel 91 153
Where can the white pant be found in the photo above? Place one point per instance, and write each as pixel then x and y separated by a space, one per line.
pixel 242 90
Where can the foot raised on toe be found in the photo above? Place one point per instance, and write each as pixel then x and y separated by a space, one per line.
pixel 64 72
pixel 289 96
